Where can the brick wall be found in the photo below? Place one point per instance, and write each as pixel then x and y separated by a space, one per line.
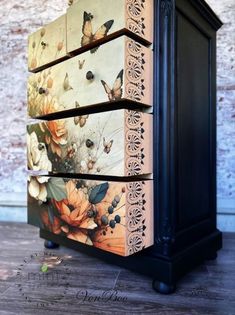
pixel 19 18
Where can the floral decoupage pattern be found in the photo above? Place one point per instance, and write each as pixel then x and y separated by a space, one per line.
pixel 113 216
pixel 115 143
pixel 65 86
pixel 47 44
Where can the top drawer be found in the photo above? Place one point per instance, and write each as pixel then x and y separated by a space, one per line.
pixel 47 45
pixel 90 21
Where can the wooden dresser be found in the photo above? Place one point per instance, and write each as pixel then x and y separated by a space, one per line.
pixel 122 159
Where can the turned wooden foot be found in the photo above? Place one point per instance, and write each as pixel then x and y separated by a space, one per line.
pixel 50 244
pixel 163 288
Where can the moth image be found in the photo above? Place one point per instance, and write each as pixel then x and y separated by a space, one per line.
pixel 107 145
pixel 115 93
pixel 81 120
pixel 88 36
pixel 66 84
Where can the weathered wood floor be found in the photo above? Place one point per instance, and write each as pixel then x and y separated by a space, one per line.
pixel 210 289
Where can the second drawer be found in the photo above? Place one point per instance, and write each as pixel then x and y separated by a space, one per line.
pixel 113 143
pixel 120 70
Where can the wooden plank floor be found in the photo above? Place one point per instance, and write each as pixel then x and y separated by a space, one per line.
pixel 209 289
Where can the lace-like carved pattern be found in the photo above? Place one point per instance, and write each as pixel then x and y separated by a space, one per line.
pixel 134 143
pixel 136 20
pixel 135 68
pixel 135 217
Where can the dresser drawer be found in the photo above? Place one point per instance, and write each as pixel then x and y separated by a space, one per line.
pixel 114 143
pixel 120 70
pixel 113 216
pixel 47 45
pixel 90 22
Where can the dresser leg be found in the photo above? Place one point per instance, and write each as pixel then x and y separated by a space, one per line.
pixel 50 244
pixel 211 256
pixel 163 288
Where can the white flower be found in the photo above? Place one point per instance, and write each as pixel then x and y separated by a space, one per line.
pixel 37 154
pixel 37 188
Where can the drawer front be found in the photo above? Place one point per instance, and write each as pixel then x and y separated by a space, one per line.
pixel 47 45
pixel 114 143
pixel 114 216
pixel 122 70
pixel 89 22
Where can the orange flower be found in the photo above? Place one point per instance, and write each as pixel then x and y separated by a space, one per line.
pixel 113 240
pixel 54 227
pixel 73 211
pixel 76 220
pixel 57 131
pixel 50 105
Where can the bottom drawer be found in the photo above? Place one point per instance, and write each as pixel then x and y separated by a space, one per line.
pixel 113 216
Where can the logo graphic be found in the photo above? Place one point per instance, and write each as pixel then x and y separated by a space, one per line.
pixel 39 275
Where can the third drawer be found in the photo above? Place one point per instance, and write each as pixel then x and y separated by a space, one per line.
pixel 112 143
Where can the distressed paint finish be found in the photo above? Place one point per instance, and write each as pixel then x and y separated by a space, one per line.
pixel 66 84
pixel 114 143
pixel 113 216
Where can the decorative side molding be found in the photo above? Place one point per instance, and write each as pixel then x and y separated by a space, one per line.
pixel 138 223
pixel 137 146
pixel 136 20
pixel 135 71
pixel 164 126
pixel 138 72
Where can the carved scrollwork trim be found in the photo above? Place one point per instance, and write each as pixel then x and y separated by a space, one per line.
pixel 134 142
pixel 136 20
pixel 135 70
pixel 135 217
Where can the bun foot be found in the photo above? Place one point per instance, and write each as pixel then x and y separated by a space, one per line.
pixel 163 288
pixel 50 244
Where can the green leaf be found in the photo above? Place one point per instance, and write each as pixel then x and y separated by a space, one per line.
pixel 56 189
pixel 44 268
pixel 98 193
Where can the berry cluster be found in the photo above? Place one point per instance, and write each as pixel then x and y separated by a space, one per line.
pixel 105 218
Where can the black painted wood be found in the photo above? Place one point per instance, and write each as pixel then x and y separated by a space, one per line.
pixel 184 124
pixel 184 145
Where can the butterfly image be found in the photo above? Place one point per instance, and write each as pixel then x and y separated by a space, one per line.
pixel 81 120
pixel 116 92
pixel 81 63
pixel 88 36
pixel 107 145
pixel 66 84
